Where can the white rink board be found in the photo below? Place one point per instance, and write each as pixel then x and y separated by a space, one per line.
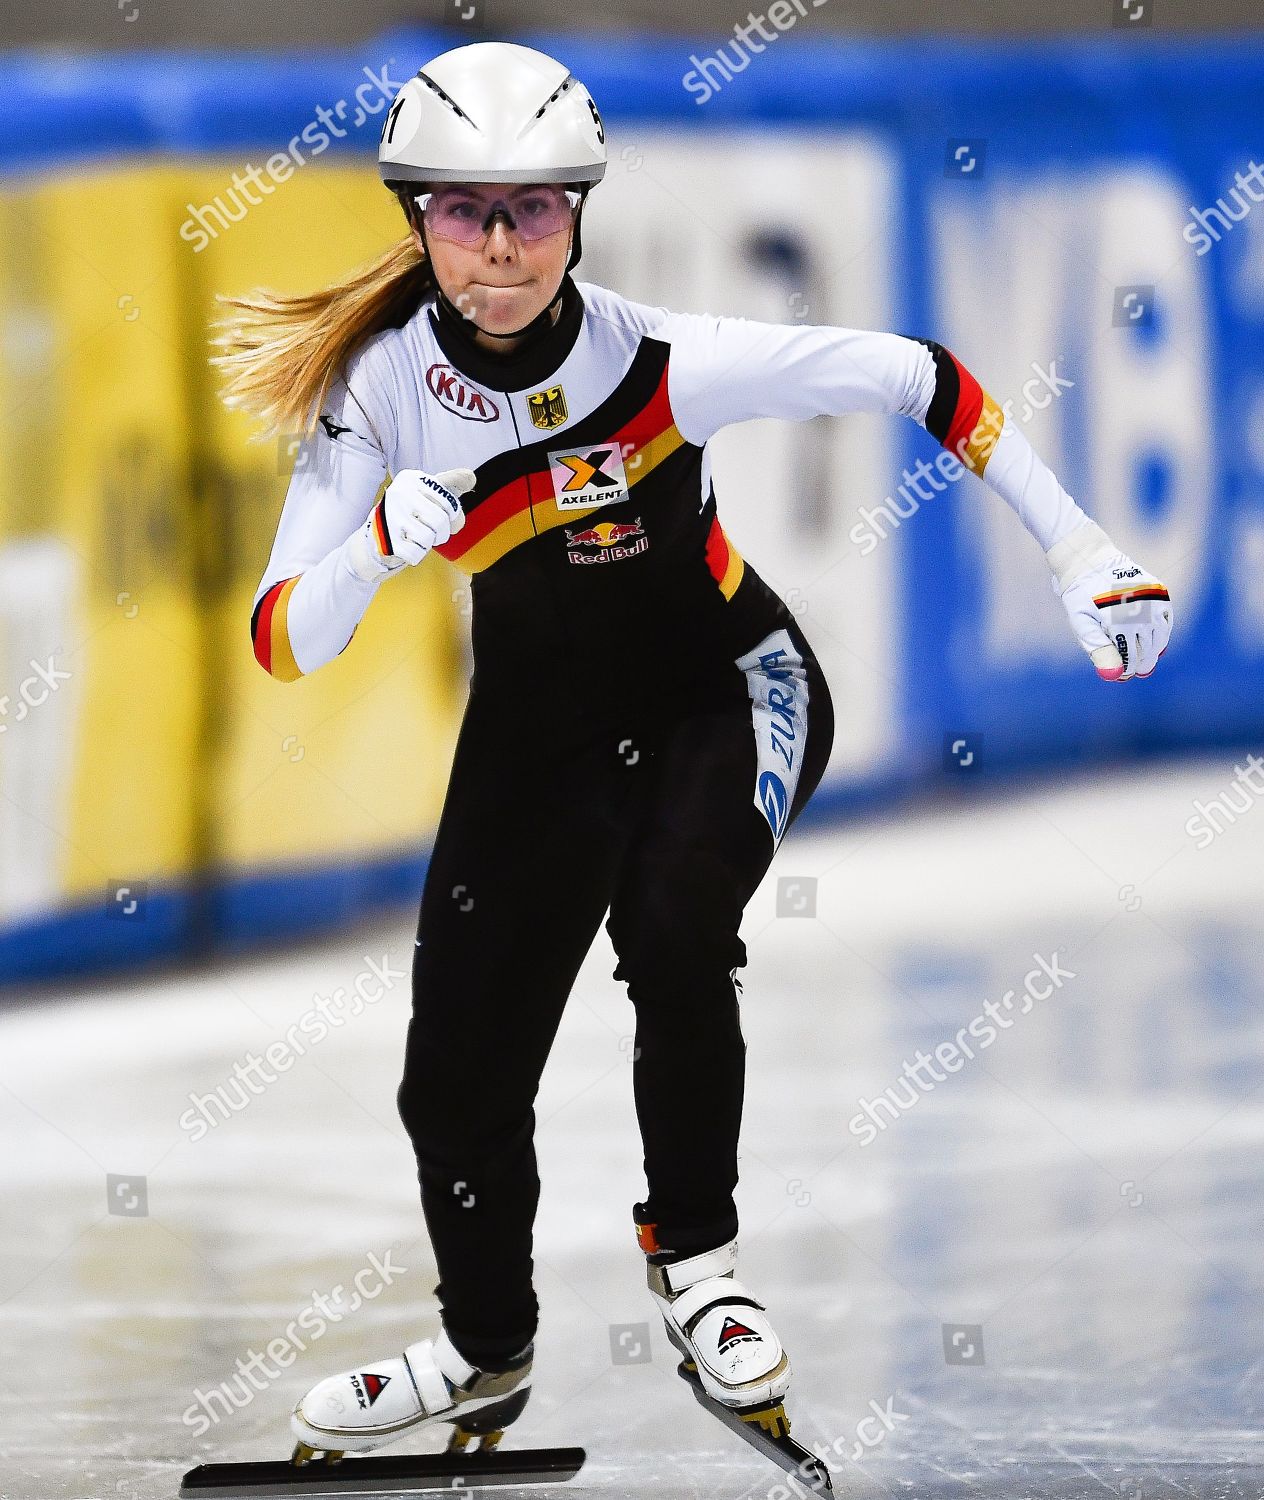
pixel 676 224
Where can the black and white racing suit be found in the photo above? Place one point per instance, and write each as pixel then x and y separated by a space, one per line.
pixel 645 720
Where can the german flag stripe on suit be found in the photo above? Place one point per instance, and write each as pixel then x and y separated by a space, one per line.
pixel 723 559
pixel 269 633
pixel 514 501
pixel 962 416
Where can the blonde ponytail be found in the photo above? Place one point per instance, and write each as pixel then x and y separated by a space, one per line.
pixel 281 353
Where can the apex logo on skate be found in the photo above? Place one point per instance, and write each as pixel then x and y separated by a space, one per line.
pixel 734 1332
pixel 368 1388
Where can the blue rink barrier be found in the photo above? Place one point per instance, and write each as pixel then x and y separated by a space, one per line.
pixel 1082 113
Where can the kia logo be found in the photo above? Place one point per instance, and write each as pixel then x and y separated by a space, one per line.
pixel 449 388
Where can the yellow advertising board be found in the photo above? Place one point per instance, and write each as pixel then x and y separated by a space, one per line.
pixel 139 739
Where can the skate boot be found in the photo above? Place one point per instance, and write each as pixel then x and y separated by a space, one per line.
pixel 720 1328
pixel 733 1360
pixel 368 1407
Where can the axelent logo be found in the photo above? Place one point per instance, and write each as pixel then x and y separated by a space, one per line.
pixel 210 220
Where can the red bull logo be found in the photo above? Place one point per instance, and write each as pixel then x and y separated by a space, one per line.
pixel 609 538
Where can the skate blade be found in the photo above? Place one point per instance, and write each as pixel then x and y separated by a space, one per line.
pixel 461 1439
pixel 304 1454
pixel 767 1428
pixel 400 1474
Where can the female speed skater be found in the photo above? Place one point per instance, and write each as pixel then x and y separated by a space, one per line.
pixel 645 717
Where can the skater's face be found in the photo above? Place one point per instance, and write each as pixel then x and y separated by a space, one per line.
pixel 498 250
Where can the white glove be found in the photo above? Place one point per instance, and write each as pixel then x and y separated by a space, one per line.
pixel 1121 614
pixel 418 511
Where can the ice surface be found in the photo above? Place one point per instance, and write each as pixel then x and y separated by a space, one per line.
pixel 1085 1190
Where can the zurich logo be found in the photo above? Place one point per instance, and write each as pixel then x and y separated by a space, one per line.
pixel 773 800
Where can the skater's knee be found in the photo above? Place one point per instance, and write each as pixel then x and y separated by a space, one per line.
pixel 468 1133
pixel 679 918
pixel 435 1092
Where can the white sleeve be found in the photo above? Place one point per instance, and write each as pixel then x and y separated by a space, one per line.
pixel 726 370
pixel 309 600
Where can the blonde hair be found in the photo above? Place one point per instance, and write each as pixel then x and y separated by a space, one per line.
pixel 281 353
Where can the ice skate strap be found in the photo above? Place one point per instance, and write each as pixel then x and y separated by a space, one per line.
pixel 423 1360
pixel 676 1275
pixel 716 1291
pixel 451 1361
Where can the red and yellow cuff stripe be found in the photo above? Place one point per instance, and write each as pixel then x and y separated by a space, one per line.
pixel 1130 596
pixel 381 533
pixel 723 560
pixel 270 634
pixel 962 416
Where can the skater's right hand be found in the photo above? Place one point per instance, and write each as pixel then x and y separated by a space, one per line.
pixel 418 511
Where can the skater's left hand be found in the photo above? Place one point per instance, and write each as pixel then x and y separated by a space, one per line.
pixel 1121 614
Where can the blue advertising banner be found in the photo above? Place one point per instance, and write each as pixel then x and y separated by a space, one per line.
pixel 1081 222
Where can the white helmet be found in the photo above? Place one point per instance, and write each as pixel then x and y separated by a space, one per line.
pixel 493 112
